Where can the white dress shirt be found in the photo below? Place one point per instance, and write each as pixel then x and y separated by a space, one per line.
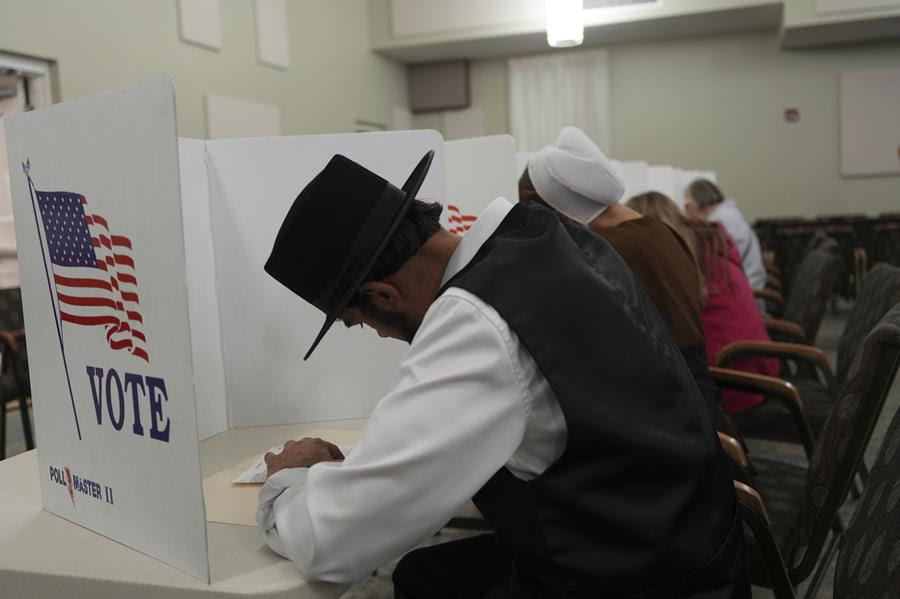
pixel 466 400
pixel 745 240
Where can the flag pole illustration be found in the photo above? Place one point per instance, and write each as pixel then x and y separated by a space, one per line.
pixel 26 168
pixel 90 273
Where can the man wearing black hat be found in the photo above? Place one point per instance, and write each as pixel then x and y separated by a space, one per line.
pixel 540 381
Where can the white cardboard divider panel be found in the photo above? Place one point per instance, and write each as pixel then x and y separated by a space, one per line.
pixel 203 301
pixel 479 170
pixel 266 329
pixel 639 177
pixel 634 175
pixel 666 179
pixel 101 258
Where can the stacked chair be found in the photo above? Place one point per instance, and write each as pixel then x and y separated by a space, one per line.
pixel 886 242
pixel 800 314
pixel 868 565
pixel 15 387
pixel 808 369
pixel 858 240
pixel 792 511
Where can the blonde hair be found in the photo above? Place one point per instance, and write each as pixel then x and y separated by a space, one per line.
pixel 661 207
pixel 705 242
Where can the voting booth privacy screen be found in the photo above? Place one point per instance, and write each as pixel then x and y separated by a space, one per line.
pixel 479 170
pixel 151 323
pixel 97 210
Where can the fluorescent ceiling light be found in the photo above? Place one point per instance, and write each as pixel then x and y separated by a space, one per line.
pixel 565 23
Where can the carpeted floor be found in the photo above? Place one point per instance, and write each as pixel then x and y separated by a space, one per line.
pixel 379 585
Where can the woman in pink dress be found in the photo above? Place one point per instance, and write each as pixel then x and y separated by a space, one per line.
pixel 730 312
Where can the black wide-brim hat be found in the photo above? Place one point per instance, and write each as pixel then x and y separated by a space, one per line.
pixel 335 231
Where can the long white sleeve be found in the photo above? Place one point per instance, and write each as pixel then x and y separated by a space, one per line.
pixel 455 415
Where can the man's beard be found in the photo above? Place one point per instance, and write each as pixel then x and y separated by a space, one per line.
pixel 399 321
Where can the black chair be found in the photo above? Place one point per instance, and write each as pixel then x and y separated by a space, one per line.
pixel 802 504
pixel 880 291
pixel 807 298
pixel 886 242
pixel 791 243
pixel 15 386
pixel 868 565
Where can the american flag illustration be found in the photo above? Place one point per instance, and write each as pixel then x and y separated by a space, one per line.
pixel 459 222
pixel 93 270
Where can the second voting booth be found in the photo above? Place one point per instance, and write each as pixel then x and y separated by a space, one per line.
pixel 151 323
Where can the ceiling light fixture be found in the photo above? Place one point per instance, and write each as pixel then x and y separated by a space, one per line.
pixel 565 23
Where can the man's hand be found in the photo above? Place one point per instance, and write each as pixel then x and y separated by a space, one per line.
pixel 302 454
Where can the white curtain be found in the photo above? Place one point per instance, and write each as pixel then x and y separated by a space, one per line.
pixel 549 92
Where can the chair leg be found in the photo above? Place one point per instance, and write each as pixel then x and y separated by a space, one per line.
pixel 26 423
pixel 863 478
pixel 732 429
pixel 855 491
pixel 863 472
pixel 819 575
pixel 2 430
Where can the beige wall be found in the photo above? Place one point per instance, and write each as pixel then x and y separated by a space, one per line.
pixel 717 103
pixel 488 88
pixel 333 80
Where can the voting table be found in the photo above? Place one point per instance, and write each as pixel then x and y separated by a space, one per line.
pixel 43 555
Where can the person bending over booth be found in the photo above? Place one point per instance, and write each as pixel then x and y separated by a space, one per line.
pixel 729 311
pixel 575 178
pixel 539 380
pixel 704 201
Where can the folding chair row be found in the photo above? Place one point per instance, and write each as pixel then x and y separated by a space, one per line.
pixel 789 538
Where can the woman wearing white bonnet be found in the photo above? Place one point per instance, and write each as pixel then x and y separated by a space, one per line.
pixel 573 177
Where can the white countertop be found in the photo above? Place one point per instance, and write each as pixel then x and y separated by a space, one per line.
pixel 42 555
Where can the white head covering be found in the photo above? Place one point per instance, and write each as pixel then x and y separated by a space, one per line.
pixel 574 176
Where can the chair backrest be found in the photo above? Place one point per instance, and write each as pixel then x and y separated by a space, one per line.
pixel 886 242
pixel 810 291
pixel 877 295
pixel 791 245
pixel 11 316
pixel 868 566
pixel 823 241
pixel 840 446
pixel 20 368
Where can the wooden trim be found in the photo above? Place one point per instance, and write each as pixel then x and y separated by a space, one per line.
pixel 773 282
pixel 772 387
pixel 733 449
pixel 773 349
pixel 799 352
pixel 769 294
pixel 787 327
pixel 760 383
pixel 11 338
pixel 860 266
pixel 748 496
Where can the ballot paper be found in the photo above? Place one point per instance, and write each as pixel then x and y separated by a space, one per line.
pixel 257 473
pixel 229 502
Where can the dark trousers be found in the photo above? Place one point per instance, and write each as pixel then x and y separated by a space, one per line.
pixel 477 568
pixel 465 569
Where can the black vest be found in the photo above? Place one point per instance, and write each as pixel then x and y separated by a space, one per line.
pixel 640 499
